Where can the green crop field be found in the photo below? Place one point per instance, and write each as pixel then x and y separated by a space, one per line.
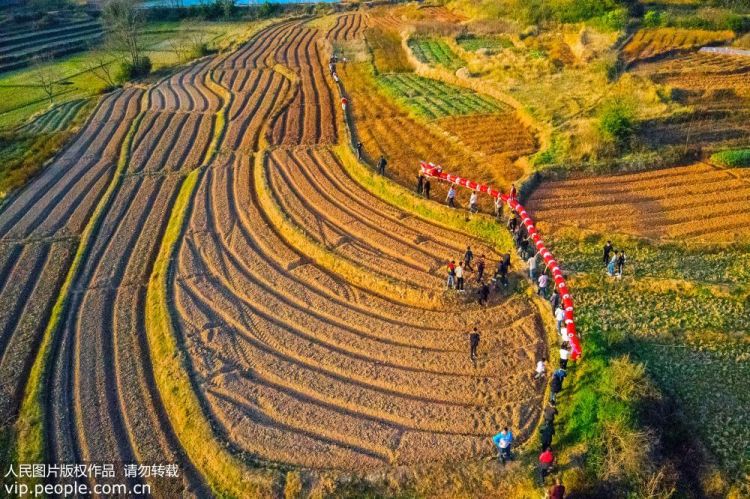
pixel 435 52
pixel 434 99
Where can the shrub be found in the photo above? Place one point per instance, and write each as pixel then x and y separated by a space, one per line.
pixel 734 158
pixel 573 11
pixel 132 70
pixel 654 19
pixel 616 123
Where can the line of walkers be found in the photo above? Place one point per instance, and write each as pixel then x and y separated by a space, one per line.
pixel 503 441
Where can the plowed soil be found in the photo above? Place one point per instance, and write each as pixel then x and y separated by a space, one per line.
pixel 289 355
pixel 694 203
pixel 294 363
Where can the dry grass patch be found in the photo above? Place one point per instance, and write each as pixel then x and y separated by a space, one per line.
pixel 652 43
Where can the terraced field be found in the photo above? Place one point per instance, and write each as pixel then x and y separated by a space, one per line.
pixel 311 313
pixel 692 203
pixel 56 119
pixel 348 27
pixel 19 46
pixel 291 354
pixel 39 232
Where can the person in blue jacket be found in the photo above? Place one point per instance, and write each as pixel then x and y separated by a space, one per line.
pixel 503 442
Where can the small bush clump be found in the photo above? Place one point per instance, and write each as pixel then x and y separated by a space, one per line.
pixel 129 70
pixel 617 123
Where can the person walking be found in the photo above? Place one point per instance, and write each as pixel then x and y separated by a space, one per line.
pixel 555 387
pixel 550 412
pixel 451 198
pixel 381 165
pixel 607 251
pixel 557 491
pixel 420 184
pixel 513 192
pixel 559 318
pixel 546 461
pixel 451 274
pixel 344 102
pixel 612 263
pixel 498 208
pixel 480 268
pixel 542 282
pixel 460 277
pixel 541 368
pixel 502 442
pixel 512 224
pixel 427 188
pixel 564 355
pixel 621 263
pixel 473 344
pixel 359 150
pixel 473 202
pixel 484 294
pixel 554 300
pixel 531 262
pixel 468 258
pixel 546 432
pixel 506 261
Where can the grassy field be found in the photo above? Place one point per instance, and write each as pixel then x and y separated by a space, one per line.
pixel 683 313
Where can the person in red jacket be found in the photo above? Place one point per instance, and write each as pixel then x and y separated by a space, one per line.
pixel 546 460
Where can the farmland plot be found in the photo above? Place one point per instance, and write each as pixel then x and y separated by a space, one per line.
pixel 434 51
pixel 693 203
pixel 717 89
pixel 288 353
pixel 56 119
pixel 348 27
pixel 39 230
pixel 434 99
pixel 483 147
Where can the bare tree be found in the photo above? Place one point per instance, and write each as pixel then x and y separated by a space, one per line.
pixel 45 75
pixel 123 21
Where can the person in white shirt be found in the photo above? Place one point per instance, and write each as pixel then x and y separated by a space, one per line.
pixel 473 202
pixel 498 208
pixel 559 317
pixel 564 334
pixel 541 368
pixel 532 266
pixel 460 277
pixel 564 355
pixel 543 279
